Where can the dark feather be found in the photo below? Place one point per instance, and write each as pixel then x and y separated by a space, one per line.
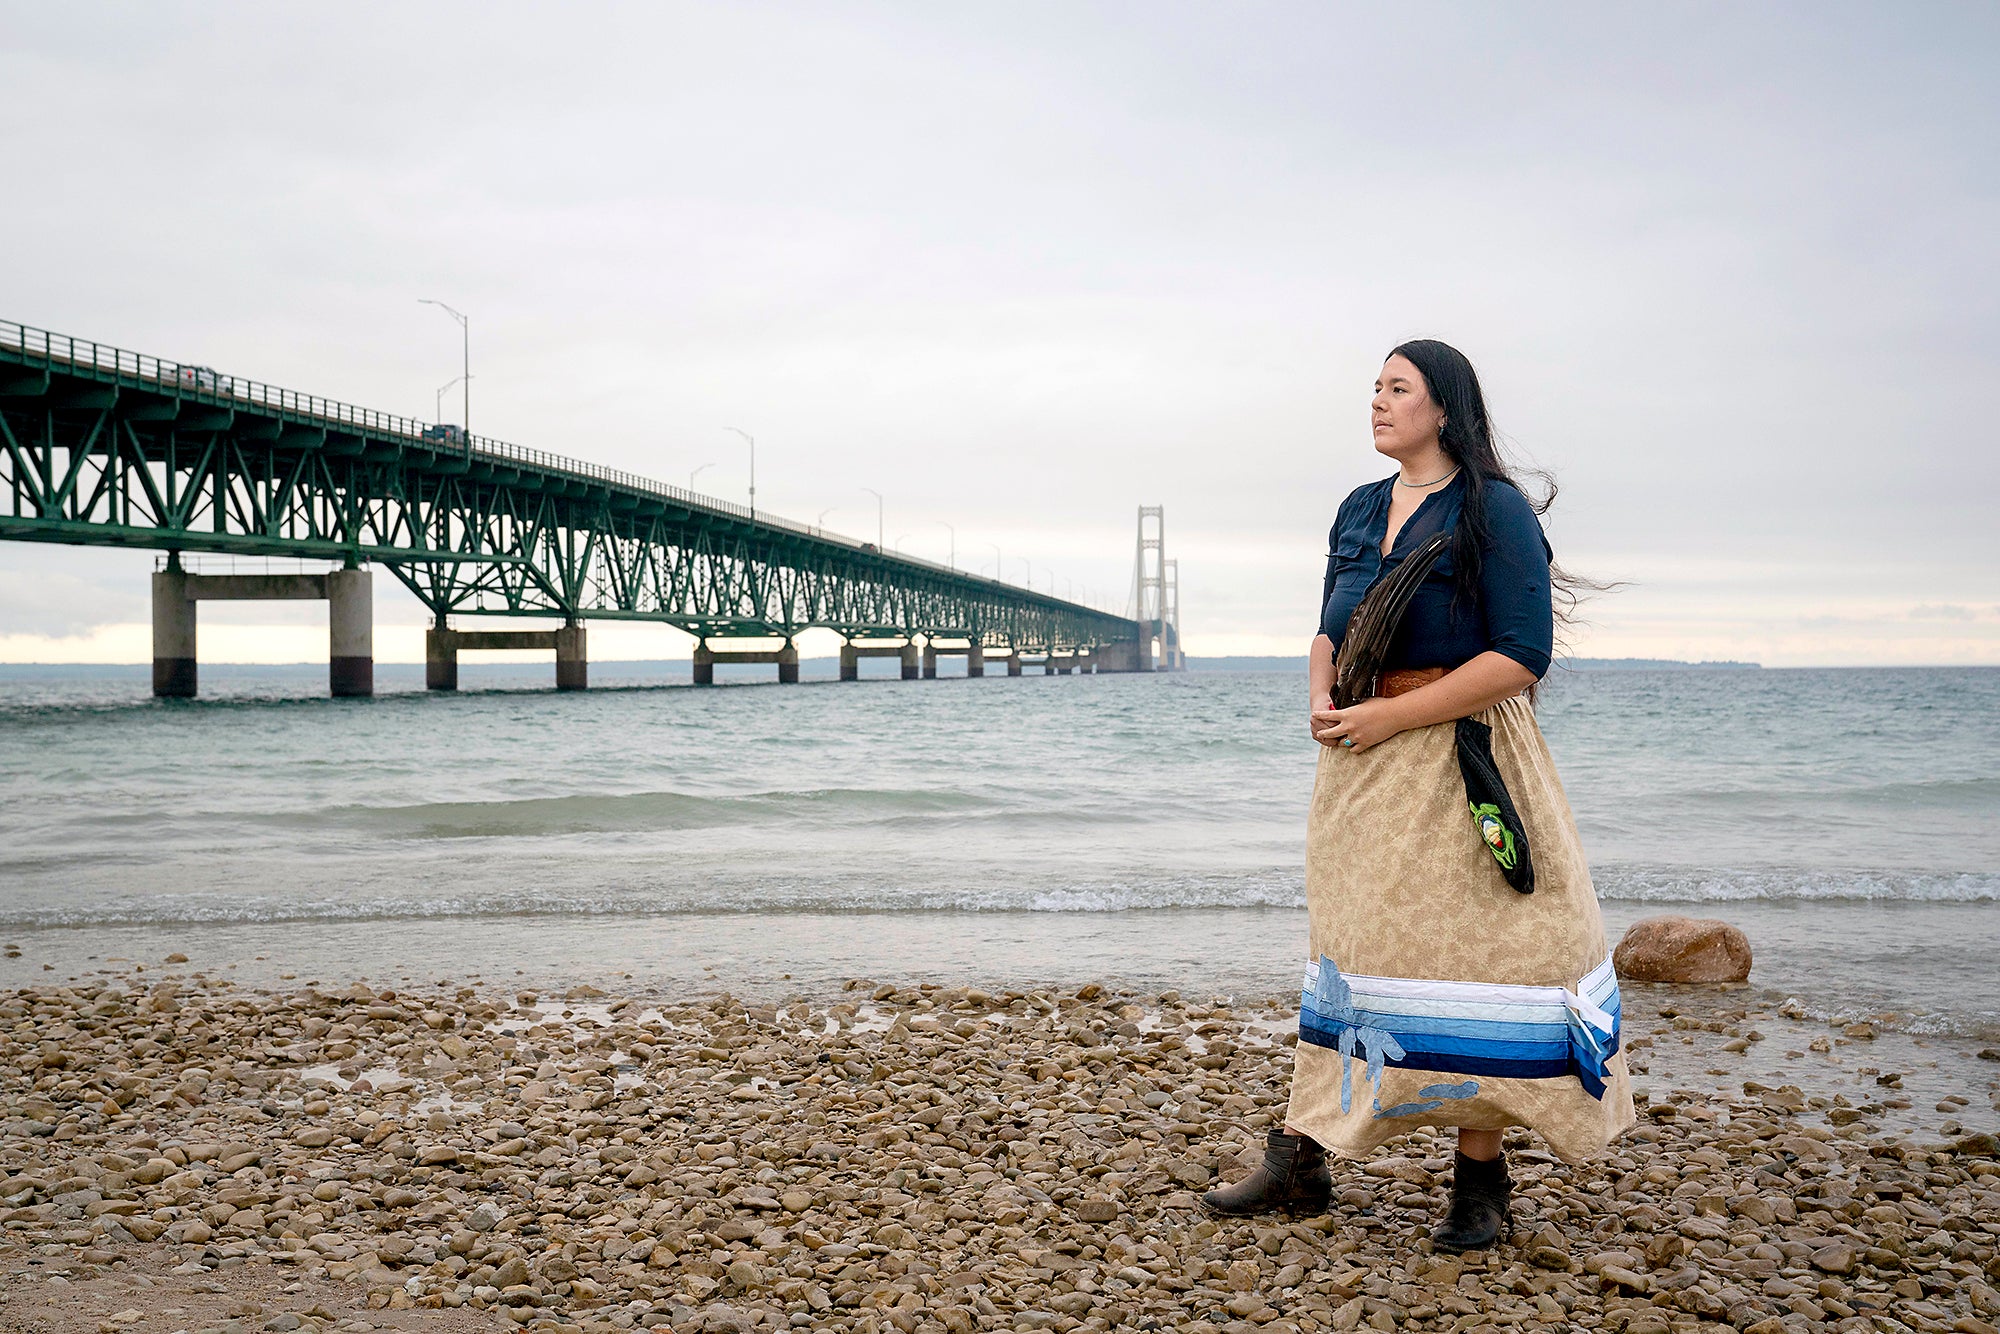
pixel 1358 665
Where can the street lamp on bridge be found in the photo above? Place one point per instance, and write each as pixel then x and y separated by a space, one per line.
pixel 753 466
pixel 440 396
pixel 698 472
pixel 465 370
pixel 878 514
pixel 953 562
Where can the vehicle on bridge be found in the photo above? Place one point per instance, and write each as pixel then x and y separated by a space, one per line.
pixel 445 433
pixel 205 378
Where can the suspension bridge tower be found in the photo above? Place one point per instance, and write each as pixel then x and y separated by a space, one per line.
pixel 1157 596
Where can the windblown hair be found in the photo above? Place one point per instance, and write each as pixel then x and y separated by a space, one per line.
pixel 1468 438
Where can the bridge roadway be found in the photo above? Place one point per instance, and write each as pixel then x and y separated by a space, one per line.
pixel 107 447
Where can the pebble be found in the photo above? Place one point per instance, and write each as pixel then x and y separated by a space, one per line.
pixel 486 1217
pixel 909 1160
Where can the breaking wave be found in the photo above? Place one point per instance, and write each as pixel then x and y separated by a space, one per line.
pixel 708 892
pixel 1680 884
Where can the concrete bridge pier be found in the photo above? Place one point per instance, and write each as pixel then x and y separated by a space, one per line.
pixel 350 628
pixel 572 658
pixel 570 642
pixel 853 651
pixel 787 659
pixel 174 671
pixel 973 653
pixel 350 599
pixel 440 658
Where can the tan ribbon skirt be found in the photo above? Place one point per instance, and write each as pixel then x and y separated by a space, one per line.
pixel 1399 886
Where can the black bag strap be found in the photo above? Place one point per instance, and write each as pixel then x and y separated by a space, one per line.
pixel 1372 627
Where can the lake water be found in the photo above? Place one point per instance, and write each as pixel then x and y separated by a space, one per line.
pixel 1145 829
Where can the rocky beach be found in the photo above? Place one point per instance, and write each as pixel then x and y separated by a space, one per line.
pixel 178 1152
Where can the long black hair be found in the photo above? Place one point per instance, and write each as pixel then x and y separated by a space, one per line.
pixel 1468 439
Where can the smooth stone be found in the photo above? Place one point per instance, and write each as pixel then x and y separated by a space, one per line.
pixel 1672 948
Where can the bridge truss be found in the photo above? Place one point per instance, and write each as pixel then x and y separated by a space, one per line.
pixel 107 447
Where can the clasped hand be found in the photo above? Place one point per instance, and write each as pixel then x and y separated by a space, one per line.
pixel 1368 723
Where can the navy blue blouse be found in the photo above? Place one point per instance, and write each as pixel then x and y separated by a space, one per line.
pixel 1513 614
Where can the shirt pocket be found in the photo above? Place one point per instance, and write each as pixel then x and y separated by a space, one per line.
pixel 1354 553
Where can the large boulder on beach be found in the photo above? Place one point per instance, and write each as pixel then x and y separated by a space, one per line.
pixel 1670 948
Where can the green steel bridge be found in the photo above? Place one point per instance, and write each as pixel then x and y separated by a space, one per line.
pixel 107 447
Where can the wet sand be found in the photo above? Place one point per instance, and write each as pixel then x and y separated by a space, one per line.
pixel 181 1153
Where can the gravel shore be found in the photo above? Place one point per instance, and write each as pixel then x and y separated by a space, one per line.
pixel 179 1153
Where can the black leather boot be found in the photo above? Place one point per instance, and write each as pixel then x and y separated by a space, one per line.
pixel 1480 1191
pixel 1293 1179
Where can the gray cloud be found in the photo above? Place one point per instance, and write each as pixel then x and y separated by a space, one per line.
pixel 61 604
pixel 1727 270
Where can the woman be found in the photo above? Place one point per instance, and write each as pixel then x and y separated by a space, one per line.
pixel 1436 994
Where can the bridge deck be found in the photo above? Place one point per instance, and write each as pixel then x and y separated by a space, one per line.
pixel 105 446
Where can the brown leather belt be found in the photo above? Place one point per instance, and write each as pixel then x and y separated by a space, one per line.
pixel 1404 680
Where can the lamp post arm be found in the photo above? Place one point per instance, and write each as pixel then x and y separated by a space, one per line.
pixel 751 440
pixel 465 368
pixel 878 515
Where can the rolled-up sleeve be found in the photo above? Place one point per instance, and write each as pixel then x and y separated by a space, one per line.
pixel 1514 581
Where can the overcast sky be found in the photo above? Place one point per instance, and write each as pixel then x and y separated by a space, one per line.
pixel 1729 270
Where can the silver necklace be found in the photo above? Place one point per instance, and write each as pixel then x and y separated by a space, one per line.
pixel 1418 486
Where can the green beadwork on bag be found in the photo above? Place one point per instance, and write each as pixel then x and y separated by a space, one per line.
pixel 1494 834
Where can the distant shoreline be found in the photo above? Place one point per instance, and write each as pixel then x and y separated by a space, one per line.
pixel 1251 663
pixel 1654 664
